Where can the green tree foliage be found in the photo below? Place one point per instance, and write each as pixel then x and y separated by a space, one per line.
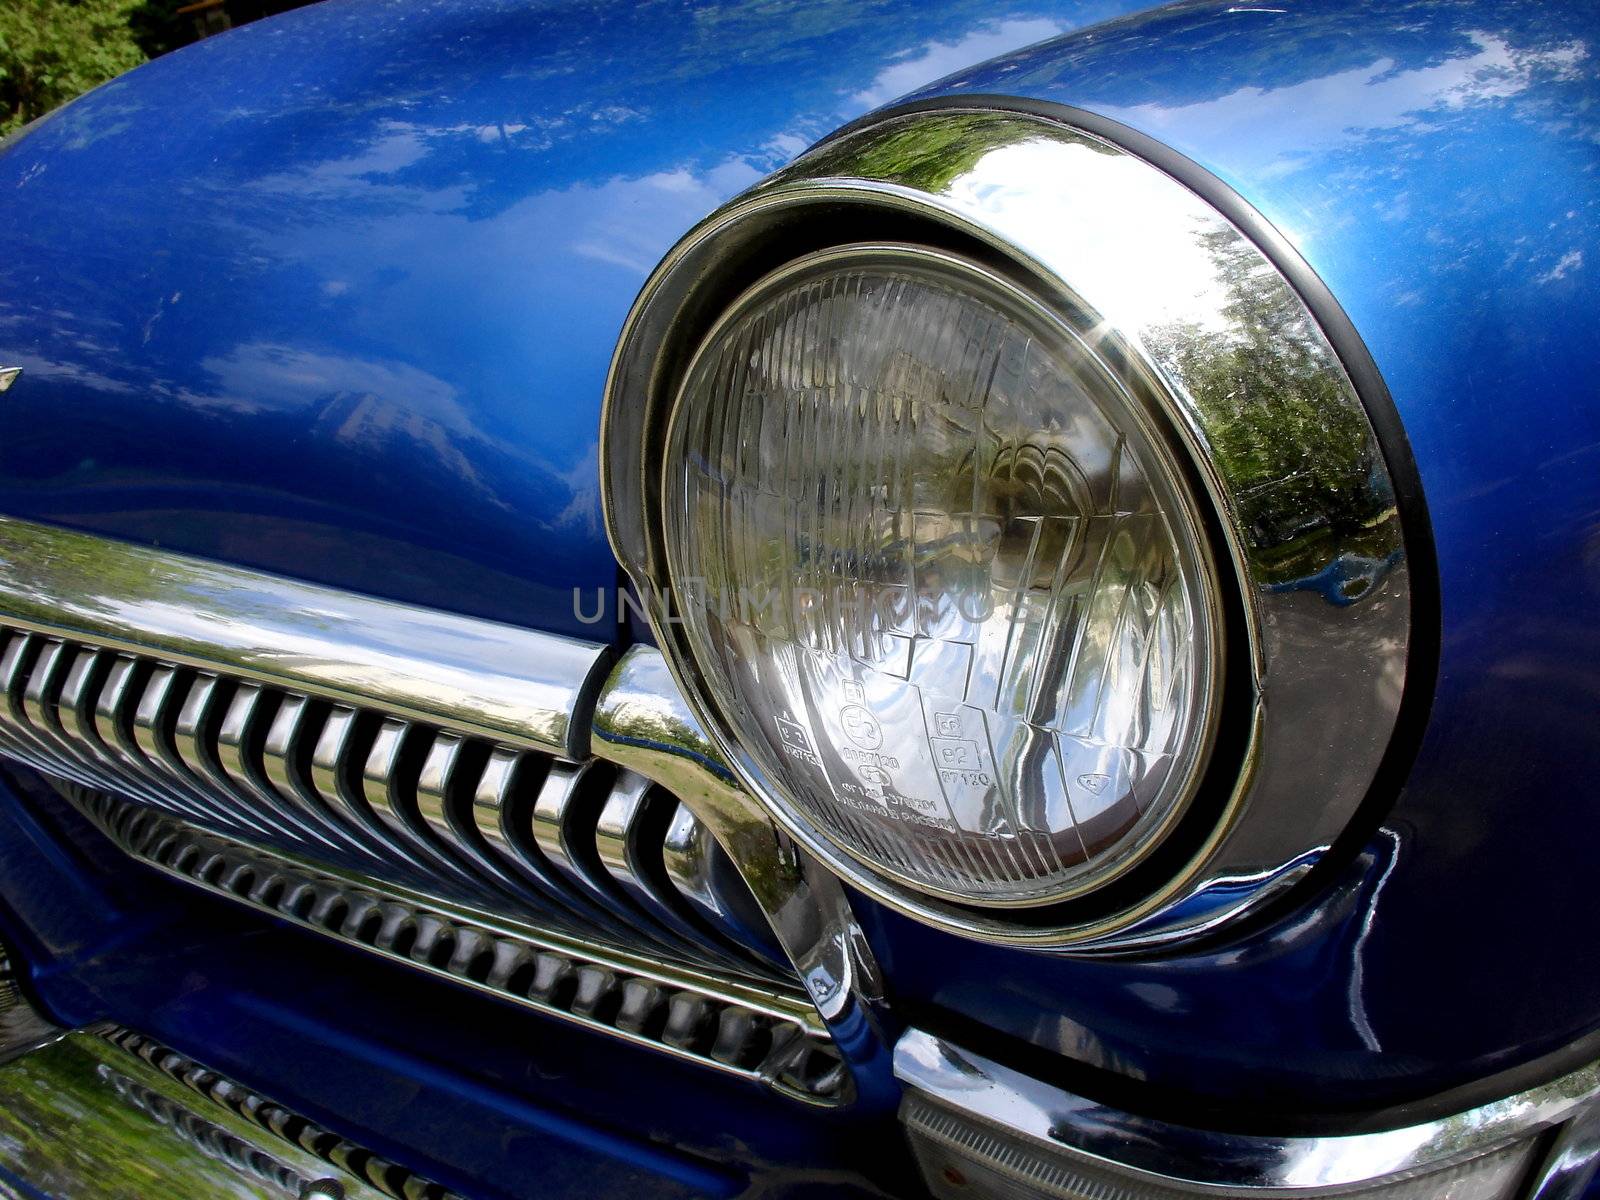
pixel 53 50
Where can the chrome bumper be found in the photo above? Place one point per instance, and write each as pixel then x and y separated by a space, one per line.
pixel 982 1129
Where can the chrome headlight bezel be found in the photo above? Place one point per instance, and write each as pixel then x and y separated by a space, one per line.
pixel 1080 224
pixel 1142 425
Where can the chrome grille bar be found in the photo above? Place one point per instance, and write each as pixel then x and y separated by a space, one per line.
pixel 364 791
pixel 484 678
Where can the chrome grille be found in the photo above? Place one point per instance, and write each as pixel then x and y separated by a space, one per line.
pixel 584 849
pixel 365 753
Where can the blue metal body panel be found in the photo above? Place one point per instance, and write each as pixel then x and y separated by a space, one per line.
pixel 335 296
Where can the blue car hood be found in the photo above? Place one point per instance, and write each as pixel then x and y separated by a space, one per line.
pixel 334 295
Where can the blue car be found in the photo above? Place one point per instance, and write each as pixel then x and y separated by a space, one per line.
pixel 783 598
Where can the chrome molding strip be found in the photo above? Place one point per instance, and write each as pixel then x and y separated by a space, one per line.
pixel 948 1084
pixel 524 688
pixel 110 1114
pixel 1161 284
pixel 756 1030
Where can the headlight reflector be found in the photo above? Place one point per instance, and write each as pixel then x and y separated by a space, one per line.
pixel 942 576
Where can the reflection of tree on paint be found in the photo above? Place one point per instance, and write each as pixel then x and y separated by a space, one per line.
pixel 123 1147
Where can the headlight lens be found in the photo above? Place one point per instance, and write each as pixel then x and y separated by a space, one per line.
pixel 942 577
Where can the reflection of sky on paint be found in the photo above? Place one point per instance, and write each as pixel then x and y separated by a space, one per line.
pixel 376 210
pixel 404 248
pixel 1314 112
pixel 914 68
pixel 1314 116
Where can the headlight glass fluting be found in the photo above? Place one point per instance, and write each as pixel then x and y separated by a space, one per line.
pixel 942 576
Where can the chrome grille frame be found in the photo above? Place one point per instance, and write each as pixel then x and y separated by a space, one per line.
pixel 439 761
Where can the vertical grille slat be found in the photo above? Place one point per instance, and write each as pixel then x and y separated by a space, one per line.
pixel 337 763
pixel 79 700
pixel 38 696
pixel 292 726
pixel 448 783
pixel 629 837
pixel 195 738
pixel 385 786
pixel 502 814
pixel 243 730
pixel 29 683
pixel 565 822
pixel 73 703
pixel 127 715
pixel 165 690
pixel 16 663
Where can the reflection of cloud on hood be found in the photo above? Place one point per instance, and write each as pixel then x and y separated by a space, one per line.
pixel 369 419
pixel 265 375
pixel 1570 261
pixel 938 59
pixel 371 405
pixel 1310 118
pixel 359 402
pixel 583 512
pixel 398 145
pixel 630 222
pixel 78 375
pixel 538 132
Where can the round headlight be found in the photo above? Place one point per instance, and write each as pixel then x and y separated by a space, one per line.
pixel 942 576
pixel 983 483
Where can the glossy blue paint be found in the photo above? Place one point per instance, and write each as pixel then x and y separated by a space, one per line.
pixel 348 319
pixel 334 295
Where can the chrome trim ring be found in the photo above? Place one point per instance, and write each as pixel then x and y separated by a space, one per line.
pixel 1180 299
